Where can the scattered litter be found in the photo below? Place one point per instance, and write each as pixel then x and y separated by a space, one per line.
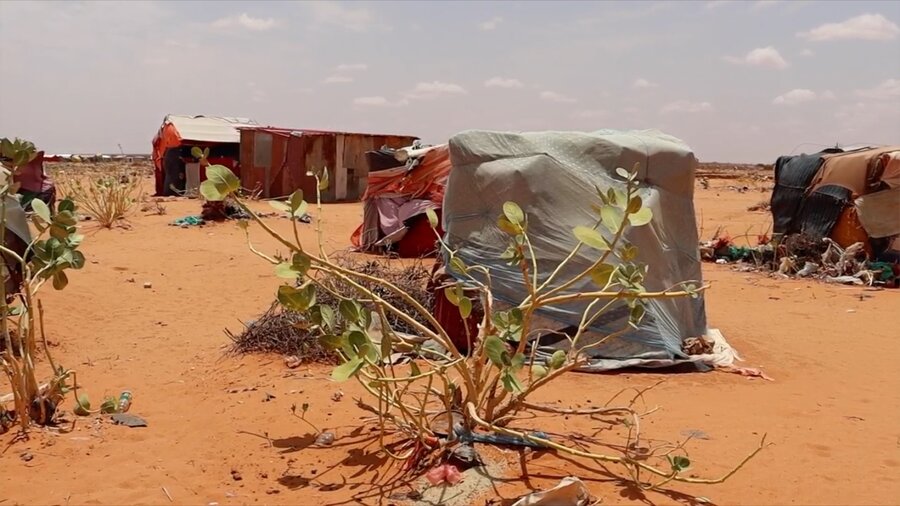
pixel 569 492
pixel 128 420
pixel 808 270
pixel 292 362
pixel 444 473
pixel 721 261
pixel 695 434
pixel 464 456
pixel 148 285
pixel 189 221
pixel 844 280
pixel 325 439
pixel 746 371
pixel 851 310
pixel 125 399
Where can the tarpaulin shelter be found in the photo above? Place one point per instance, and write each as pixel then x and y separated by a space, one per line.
pixel 396 201
pixel 847 195
pixel 278 161
pixel 554 177
pixel 178 134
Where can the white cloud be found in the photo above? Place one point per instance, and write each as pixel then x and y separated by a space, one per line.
pixel 337 79
pixel 503 82
pixel 686 106
pixel 643 83
pixel 378 102
pixel 761 57
pixel 863 27
pixel 807 52
pixel 763 4
pixel 355 19
pixel 552 96
pixel 801 96
pixel 490 24
pixel 245 21
pixel 434 89
pixel 886 90
pixel 351 67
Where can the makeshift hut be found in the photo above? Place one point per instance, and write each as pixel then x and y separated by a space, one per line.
pixel 278 161
pixel 174 167
pixel 554 177
pixel 396 201
pixel 849 196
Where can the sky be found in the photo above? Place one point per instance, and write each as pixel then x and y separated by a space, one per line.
pixel 737 81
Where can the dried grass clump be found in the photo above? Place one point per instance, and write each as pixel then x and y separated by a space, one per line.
pixel 285 332
pixel 107 199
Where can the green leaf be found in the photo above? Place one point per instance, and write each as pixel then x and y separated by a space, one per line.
pixel 432 217
pixel 348 369
pixel 637 313
pixel 109 406
pixel 82 405
pixel 414 369
pixel 295 201
pixel 465 307
pixel 590 237
pixel 332 342
pixel 280 206
pixel 458 265
pixel 517 362
pixel 387 345
pixel 557 360
pixel 349 310
pixel 196 152
pixel 297 299
pixel 628 253
pixel 60 280
pixel 513 213
pixel 640 217
pixel 509 227
pixel 539 371
pixel 66 205
pixel 601 274
pixel 285 270
pixel 453 294
pixel 77 261
pixel 220 183
pixel 511 382
pixel 58 232
pixel 634 205
pixel 611 217
pixel 495 348
pixel 323 180
pixel 679 463
pixel 41 209
pixel 301 263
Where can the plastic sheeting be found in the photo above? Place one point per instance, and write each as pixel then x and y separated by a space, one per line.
pixel 552 176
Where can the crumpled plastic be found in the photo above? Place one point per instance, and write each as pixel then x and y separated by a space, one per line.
pixel 569 492
pixel 444 473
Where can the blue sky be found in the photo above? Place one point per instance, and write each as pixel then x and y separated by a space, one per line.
pixel 738 81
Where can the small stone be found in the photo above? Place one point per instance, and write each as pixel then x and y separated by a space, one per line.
pixel 148 285
pixel 325 439
pixel 130 280
pixel 27 457
pixel 272 491
pixel 236 476
pixel 264 475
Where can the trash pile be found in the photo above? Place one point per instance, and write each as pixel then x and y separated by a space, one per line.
pixel 804 256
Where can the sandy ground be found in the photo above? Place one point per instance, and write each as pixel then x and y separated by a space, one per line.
pixel 831 413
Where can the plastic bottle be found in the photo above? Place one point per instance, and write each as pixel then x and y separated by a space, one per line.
pixel 125 401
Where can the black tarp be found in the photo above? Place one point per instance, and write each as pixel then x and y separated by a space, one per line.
pixel 381 159
pixel 793 175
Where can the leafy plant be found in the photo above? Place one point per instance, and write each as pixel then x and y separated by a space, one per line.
pixel 46 258
pixel 105 198
pixel 489 387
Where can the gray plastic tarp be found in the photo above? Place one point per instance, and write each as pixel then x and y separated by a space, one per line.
pixel 553 176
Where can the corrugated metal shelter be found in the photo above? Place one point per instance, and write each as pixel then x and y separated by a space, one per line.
pixel 177 134
pixel 276 160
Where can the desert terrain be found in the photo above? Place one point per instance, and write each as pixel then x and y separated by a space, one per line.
pixel 148 313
